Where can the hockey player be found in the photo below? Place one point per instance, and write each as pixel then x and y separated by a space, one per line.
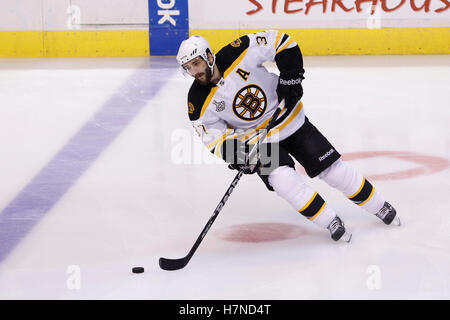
pixel 233 97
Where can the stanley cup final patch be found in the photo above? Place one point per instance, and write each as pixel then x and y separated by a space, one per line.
pixel 220 106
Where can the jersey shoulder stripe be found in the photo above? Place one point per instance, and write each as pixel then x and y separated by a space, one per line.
pixel 228 55
pixel 197 98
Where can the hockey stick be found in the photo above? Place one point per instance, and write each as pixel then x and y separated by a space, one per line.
pixel 176 264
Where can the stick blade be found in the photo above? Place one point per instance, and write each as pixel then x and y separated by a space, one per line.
pixel 172 264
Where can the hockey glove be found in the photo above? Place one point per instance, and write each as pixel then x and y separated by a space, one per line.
pixel 290 87
pixel 239 159
pixel 246 167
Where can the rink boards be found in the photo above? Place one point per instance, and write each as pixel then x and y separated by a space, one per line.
pixel 155 27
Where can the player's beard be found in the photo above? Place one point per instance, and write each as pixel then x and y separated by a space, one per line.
pixel 204 77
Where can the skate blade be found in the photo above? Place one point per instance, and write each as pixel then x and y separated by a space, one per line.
pixel 347 237
pixel 396 221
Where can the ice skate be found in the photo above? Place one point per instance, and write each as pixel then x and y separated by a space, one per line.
pixel 337 230
pixel 388 215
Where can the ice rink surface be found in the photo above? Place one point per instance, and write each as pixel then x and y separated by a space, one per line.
pixel 101 171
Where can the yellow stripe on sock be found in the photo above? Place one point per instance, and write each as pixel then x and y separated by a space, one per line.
pixel 318 212
pixel 359 190
pixel 308 203
pixel 370 196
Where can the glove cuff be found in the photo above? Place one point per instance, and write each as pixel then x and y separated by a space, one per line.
pixel 293 74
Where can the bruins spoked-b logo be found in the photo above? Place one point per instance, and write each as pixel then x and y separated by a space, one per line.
pixel 250 103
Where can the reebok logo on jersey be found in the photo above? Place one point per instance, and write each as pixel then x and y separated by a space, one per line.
pixel 290 82
pixel 326 155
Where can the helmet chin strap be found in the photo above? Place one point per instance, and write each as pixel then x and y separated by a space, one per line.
pixel 211 66
pixel 212 69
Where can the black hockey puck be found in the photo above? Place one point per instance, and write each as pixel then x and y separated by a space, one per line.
pixel 138 270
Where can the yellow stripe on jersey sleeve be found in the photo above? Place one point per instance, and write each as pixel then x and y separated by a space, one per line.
pixel 279 35
pixel 220 139
pixel 218 151
pixel 289 119
pixel 281 126
pixel 288 42
pixel 264 124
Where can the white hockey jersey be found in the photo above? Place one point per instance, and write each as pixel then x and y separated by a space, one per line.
pixel 243 101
